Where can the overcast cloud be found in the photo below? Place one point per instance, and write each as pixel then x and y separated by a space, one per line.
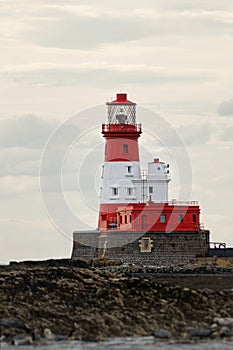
pixel 226 108
pixel 60 58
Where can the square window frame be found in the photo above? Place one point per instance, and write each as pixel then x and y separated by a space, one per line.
pixel 162 218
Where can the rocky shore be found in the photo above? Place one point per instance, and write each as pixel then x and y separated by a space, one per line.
pixel 62 299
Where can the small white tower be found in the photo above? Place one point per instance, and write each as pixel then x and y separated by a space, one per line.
pixel 157 181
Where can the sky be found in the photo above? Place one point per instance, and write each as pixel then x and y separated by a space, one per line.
pixel 60 61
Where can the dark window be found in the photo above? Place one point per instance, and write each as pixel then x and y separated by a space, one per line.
pixel 150 189
pixel 162 218
pixel 129 191
pixel 194 218
pixel 126 221
pixel 120 219
pixel 129 169
pixel 125 148
pixel 130 218
pixel 115 191
pixel 180 218
pixel 104 217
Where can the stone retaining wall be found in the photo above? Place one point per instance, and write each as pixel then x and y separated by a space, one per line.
pixel 141 248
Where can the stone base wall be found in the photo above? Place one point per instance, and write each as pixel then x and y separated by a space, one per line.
pixel 152 248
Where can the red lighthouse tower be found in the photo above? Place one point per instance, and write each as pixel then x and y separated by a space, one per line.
pixel 122 165
pixel 137 222
pixel 123 186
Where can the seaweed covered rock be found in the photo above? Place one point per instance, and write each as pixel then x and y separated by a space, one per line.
pixel 68 301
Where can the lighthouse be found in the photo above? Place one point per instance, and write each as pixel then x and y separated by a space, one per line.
pixel 122 180
pixel 137 223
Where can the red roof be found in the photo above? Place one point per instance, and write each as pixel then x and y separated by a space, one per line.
pixel 121 99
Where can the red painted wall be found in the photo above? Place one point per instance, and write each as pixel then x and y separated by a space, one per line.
pixel 146 217
pixel 118 135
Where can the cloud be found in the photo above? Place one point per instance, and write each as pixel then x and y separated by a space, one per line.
pixel 11 186
pixel 33 132
pixel 186 135
pixel 16 161
pixel 80 26
pixel 197 4
pixel 226 108
pixel 28 131
pixel 22 140
pixel 175 54
pixel 196 133
pixel 82 33
pixel 83 28
pixel 227 134
pixel 105 73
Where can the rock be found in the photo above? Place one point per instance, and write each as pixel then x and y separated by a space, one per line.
pixel 60 337
pixel 14 323
pixel 48 334
pixel 54 337
pixel 224 321
pixel 89 303
pixel 21 339
pixel 214 327
pixel 225 332
pixel 162 334
pixel 7 336
pixel 199 332
pixel 214 335
pixel 36 335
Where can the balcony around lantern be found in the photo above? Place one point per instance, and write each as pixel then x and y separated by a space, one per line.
pixel 121 128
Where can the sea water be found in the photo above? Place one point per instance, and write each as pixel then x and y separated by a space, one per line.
pixel 132 343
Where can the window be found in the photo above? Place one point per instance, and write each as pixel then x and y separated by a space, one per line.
pixel 150 190
pixel 129 191
pixel 162 218
pixel 102 175
pixel 126 219
pixel 125 148
pixel 194 218
pixel 113 222
pixel 129 170
pixel 180 218
pixel 115 191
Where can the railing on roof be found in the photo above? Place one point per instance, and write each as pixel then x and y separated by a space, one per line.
pixel 192 203
pixel 177 202
pixel 218 245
